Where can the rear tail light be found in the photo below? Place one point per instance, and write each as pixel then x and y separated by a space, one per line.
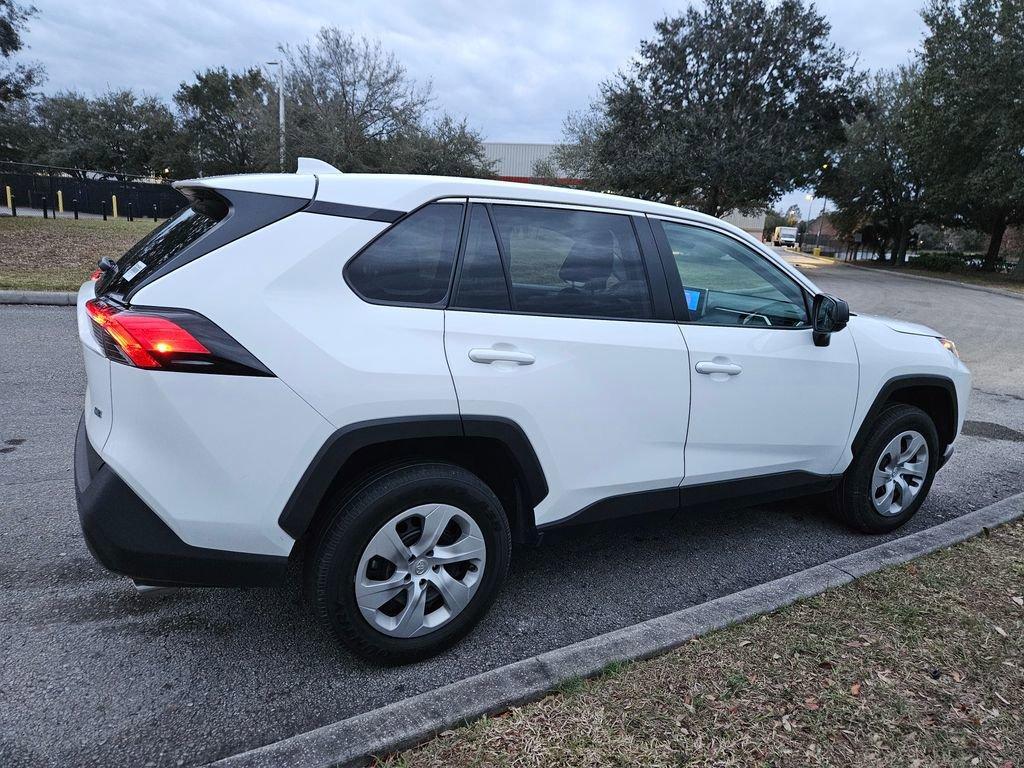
pixel 168 339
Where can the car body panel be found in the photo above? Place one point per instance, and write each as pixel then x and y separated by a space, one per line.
pixel 604 404
pixel 790 408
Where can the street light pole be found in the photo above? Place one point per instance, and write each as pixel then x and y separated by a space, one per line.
pixel 821 217
pixel 280 109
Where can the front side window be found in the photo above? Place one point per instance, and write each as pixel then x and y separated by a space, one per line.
pixel 725 283
pixel 412 262
pixel 575 263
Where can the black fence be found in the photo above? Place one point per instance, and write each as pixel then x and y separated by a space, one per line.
pixel 34 187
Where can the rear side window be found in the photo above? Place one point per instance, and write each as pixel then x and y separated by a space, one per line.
pixel 165 242
pixel 412 262
pixel 576 263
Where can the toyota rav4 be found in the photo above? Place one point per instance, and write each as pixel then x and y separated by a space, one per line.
pixel 392 379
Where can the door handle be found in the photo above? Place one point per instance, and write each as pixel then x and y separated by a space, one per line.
pixel 501 356
pixel 706 366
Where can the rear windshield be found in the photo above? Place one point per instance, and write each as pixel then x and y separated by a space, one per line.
pixel 167 241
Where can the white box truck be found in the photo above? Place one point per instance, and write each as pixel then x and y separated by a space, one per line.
pixel 784 236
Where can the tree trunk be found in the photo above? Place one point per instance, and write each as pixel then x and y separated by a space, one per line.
pixel 897 239
pixel 995 243
pixel 904 242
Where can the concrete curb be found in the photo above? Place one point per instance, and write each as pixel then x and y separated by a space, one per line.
pixel 408 722
pixel 969 286
pixel 58 298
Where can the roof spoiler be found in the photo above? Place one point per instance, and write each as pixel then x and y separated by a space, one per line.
pixel 312 165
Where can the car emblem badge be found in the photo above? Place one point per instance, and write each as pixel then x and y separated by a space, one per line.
pixel 419 568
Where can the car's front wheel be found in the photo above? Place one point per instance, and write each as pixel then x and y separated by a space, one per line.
pixel 892 473
pixel 410 562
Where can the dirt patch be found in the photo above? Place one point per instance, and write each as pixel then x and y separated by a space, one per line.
pixel 58 255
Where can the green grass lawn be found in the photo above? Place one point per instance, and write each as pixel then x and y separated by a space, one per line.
pixel 918 665
pixel 971 278
pixel 58 255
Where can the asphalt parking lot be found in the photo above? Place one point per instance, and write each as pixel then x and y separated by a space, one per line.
pixel 92 674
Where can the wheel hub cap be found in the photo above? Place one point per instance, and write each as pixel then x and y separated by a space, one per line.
pixel 900 472
pixel 420 570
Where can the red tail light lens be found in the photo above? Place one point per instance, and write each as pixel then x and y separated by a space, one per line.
pixel 144 339
pixel 96 274
pixel 169 339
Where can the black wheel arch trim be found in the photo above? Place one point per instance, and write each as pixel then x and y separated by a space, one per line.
pixel 322 471
pixel 898 383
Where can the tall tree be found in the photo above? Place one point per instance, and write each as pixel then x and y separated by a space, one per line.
pixel 119 133
pixel 971 113
pixel 354 105
pixel 446 147
pixel 16 80
pixel 229 121
pixel 875 176
pixel 728 106
pixel 348 99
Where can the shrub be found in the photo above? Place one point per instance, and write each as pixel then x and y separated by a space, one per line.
pixel 941 261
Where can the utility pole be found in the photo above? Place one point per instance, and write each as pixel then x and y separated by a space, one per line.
pixel 280 109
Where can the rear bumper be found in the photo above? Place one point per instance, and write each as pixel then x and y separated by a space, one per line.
pixel 128 538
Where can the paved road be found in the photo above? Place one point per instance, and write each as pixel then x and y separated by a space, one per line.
pixel 91 674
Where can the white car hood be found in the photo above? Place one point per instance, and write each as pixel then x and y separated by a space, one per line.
pixel 902 326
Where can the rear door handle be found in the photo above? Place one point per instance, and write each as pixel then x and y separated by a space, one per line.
pixel 706 366
pixel 501 356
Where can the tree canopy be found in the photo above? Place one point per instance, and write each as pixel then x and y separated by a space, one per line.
pixel 348 102
pixel 728 106
pixel 16 80
pixel 874 177
pixel 971 114
pixel 228 121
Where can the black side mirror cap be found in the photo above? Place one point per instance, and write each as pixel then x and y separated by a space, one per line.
pixel 828 315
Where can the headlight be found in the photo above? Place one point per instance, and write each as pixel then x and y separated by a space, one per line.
pixel 949 345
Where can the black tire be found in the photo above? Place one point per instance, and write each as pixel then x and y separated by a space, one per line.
pixel 330 569
pixel 852 501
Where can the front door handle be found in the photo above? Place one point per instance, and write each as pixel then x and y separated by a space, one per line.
pixel 706 366
pixel 501 356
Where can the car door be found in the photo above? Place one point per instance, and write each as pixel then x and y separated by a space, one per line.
pixel 765 399
pixel 552 325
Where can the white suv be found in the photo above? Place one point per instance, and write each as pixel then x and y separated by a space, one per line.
pixel 394 378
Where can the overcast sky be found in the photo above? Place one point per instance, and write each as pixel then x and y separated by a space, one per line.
pixel 514 69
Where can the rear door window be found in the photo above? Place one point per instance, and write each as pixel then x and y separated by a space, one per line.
pixel 570 262
pixel 411 263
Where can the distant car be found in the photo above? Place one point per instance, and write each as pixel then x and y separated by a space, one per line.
pixel 784 236
pixel 391 379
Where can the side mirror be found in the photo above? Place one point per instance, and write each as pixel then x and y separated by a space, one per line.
pixel 829 315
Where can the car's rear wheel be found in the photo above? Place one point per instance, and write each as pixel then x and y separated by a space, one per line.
pixel 410 561
pixel 892 473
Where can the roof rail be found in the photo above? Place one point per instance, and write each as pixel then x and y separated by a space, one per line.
pixel 312 165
